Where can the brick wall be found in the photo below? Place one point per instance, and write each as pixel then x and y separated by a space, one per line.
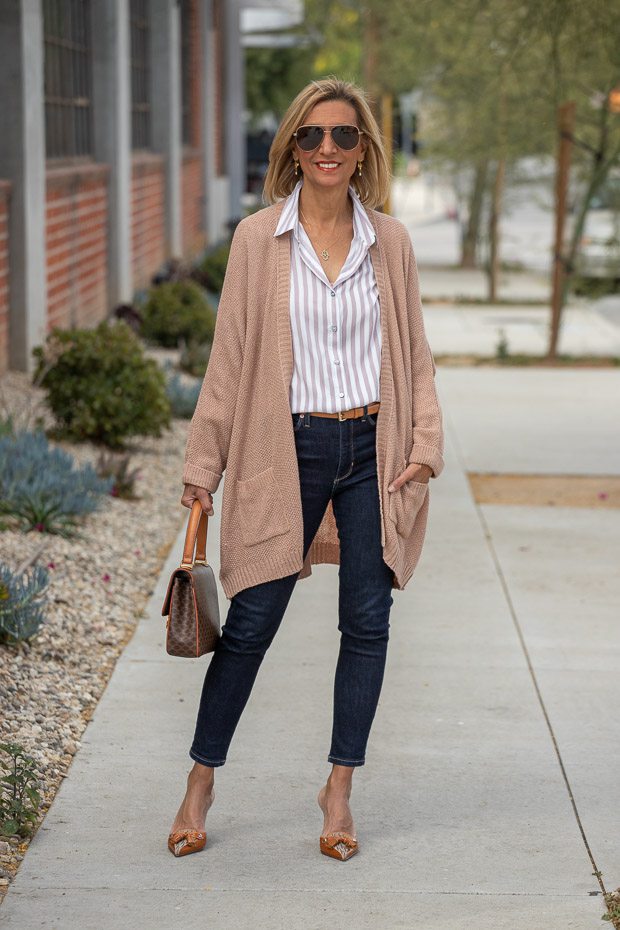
pixel 76 220
pixel 147 216
pixel 5 193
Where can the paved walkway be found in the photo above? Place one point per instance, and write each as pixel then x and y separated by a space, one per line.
pixel 462 330
pixel 463 811
pixel 456 285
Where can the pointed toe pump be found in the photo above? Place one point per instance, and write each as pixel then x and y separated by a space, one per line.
pixel 184 842
pixel 338 845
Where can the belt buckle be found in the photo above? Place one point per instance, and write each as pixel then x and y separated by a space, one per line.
pixel 340 415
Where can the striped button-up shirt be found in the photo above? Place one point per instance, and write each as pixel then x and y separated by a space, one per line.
pixel 335 328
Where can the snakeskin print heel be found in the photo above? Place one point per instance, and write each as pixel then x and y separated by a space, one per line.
pixel 184 842
pixel 338 845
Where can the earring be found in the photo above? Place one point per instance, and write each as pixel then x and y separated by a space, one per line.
pixel 296 166
pixel 359 168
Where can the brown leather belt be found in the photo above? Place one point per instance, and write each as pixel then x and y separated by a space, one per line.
pixel 350 413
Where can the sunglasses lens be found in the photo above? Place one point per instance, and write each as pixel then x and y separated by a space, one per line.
pixel 345 137
pixel 309 137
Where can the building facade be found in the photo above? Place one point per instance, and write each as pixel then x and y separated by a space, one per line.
pixel 113 153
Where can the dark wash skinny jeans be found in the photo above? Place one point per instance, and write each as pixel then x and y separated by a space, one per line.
pixel 337 460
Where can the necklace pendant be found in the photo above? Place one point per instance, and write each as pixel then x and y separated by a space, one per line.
pixel 325 254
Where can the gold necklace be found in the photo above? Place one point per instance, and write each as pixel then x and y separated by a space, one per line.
pixel 325 251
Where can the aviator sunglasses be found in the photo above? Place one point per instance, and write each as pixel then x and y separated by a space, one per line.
pixel 310 137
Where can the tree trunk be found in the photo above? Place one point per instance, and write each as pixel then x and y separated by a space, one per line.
pixel 369 64
pixel 469 239
pixel 566 126
pixel 600 169
pixel 494 214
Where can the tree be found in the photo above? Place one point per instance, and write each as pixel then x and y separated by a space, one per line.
pixel 583 43
pixel 273 77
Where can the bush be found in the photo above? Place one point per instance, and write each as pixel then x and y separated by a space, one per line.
pixel 101 387
pixel 183 397
pixel 7 425
pixel 41 488
pixel 177 310
pixel 21 607
pixel 194 358
pixel 211 270
pixel 19 795
pixel 594 288
pixel 116 467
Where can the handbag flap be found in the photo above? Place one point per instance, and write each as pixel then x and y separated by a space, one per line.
pixel 178 572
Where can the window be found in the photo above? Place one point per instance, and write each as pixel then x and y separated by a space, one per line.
pixel 67 76
pixel 187 27
pixel 140 75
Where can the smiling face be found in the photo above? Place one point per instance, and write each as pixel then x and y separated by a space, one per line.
pixel 329 166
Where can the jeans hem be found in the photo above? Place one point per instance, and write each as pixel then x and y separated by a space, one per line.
pixel 210 762
pixel 337 761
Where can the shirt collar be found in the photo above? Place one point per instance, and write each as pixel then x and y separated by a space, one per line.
pixel 289 217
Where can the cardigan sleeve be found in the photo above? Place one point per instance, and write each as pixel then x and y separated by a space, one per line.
pixel 428 441
pixel 210 429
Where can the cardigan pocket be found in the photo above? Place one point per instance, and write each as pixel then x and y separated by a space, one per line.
pixel 260 508
pixel 405 504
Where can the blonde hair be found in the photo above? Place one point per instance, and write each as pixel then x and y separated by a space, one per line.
pixel 374 183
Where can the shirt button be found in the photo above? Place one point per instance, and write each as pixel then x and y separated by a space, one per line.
pixel 337 361
pixel 333 293
pixel 334 328
pixel 342 395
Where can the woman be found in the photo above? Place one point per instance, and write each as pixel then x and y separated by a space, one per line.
pixel 319 401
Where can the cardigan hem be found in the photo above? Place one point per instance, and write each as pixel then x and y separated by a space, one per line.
pixel 320 553
pixel 246 576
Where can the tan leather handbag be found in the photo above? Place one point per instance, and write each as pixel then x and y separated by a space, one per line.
pixel 191 602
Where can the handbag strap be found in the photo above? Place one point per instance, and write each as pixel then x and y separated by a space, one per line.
pixel 195 537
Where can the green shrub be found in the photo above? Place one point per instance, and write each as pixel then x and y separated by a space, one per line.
pixel 194 358
pixel 100 386
pixel 594 288
pixel 19 795
pixel 177 310
pixel 116 467
pixel 211 270
pixel 502 349
pixel 7 425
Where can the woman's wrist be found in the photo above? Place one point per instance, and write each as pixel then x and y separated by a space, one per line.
pixel 422 472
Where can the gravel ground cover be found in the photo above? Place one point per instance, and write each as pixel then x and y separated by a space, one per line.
pixel 98 588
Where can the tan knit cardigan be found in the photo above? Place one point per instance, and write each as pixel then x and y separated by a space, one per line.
pixel 242 422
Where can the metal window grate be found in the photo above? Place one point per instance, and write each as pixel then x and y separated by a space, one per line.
pixel 140 74
pixel 67 76
pixel 187 24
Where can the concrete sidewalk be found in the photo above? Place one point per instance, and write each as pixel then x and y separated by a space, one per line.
pixel 459 286
pixel 463 810
pixel 463 330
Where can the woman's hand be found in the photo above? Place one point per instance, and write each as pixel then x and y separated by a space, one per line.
pixel 191 493
pixel 413 472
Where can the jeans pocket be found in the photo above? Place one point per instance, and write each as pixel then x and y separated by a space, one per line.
pixel 298 420
pixel 372 418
